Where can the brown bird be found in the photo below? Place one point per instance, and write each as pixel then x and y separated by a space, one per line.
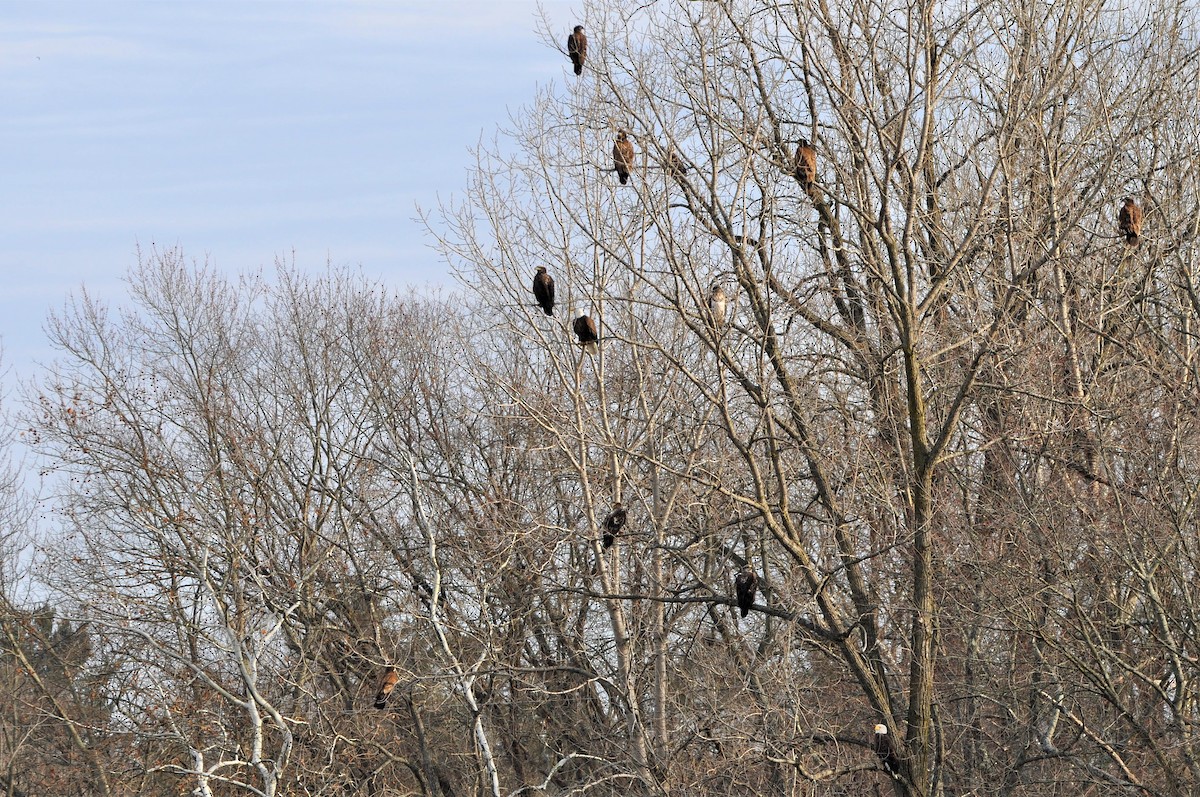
pixel 585 330
pixel 675 165
pixel 613 524
pixel 623 156
pixel 806 164
pixel 1129 221
pixel 543 290
pixel 386 685
pixel 745 584
pixel 577 48
pixel 886 752
pixel 718 304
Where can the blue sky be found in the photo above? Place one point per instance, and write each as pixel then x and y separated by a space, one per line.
pixel 242 132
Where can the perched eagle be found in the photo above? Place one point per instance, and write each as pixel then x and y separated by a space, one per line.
pixel 585 330
pixel 718 304
pixel 613 524
pixel 623 156
pixel 1129 221
pixel 386 685
pixel 885 751
pixel 577 48
pixel 543 290
pixel 746 585
pixel 806 164
pixel 675 165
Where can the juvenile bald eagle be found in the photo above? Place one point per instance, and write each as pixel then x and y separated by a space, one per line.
pixel 1129 221
pixel 745 584
pixel 386 684
pixel 623 156
pixel 886 752
pixel 806 164
pixel 675 165
pixel 543 290
pixel 585 330
pixel 577 48
pixel 718 304
pixel 613 524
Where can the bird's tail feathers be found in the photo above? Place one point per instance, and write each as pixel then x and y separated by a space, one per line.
pixel 591 348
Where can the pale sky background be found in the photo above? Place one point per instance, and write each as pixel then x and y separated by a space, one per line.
pixel 242 131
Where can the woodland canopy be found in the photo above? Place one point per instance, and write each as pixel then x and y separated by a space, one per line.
pixel 947 415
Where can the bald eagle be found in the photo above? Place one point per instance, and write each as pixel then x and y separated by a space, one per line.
pixel 623 156
pixel 718 302
pixel 1129 221
pixel 806 164
pixel 386 684
pixel 577 48
pixel 675 165
pixel 745 584
pixel 613 524
pixel 886 752
pixel 585 330
pixel 543 290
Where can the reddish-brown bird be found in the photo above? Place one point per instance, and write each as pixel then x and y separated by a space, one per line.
pixel 585 330
pixel 543 290
pixel 623 156
pixel 577 48
pixel 806 164
pixel 1129 221
pixel 745 584
pixel 386 685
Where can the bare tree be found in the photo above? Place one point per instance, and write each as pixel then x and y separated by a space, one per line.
pixel 945 414
pixel 901 417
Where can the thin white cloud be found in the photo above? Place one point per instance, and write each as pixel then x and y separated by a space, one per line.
pixel 416 20
pixel 65 46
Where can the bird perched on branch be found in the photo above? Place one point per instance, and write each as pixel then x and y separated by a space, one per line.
pixel 585 330
pixel 613 524
pixel 675 165
pixel 745 584
pixel 543 290
pixel 718 304
pixel 577 48
pixel 806 164
pixel 623 156
pixel 886 752
pixel 386 685
pixel 1129 221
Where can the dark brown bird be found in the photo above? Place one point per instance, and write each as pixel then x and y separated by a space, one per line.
pixel 543 290
pixel 675 165
pixel 806 164
pixel 886 752
pixel 745 584
pixel 623 156
pixel 613 524
pixel 577 48
pixel 585 330
pixel 1129 221
pixel 386 684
